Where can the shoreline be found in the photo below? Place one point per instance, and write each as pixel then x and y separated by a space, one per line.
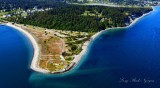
pixel 108 5
pixel 77 58
pixel 103 4
pixel 34 65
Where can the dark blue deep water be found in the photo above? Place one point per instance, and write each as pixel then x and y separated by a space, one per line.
pixel 15 55
pixel 120 58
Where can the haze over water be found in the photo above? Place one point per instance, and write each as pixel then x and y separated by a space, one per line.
pixel 114 57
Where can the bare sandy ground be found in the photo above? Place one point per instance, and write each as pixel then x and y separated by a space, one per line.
pixel 34 64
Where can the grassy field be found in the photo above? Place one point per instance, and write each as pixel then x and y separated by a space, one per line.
pixel 3 13
pixel 95 13
pixel 53 46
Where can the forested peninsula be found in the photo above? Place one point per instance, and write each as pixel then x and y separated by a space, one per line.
pixel 63 31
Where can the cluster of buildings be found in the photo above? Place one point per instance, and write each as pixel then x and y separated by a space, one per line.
pixel 149 3
pixel 84 1
pixel 27 12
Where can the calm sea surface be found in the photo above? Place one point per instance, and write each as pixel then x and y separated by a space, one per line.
pixel 120 58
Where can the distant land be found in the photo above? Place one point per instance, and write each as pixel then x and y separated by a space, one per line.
pixel 26 4
pixel 119 2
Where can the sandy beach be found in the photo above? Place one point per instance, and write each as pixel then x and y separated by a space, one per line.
pixel 78 57
pixel 34 64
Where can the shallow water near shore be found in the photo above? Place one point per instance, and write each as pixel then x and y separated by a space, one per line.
pixel 126 58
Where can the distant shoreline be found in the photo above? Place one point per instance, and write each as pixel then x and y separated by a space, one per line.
pixel 34 64
pixel 108 5
pixel 99 4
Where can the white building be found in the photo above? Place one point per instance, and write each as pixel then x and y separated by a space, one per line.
pixel 6 15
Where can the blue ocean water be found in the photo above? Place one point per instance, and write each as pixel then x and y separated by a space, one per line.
pixel 16 52
pixel 120 58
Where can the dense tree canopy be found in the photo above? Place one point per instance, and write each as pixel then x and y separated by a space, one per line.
pixel 81 18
